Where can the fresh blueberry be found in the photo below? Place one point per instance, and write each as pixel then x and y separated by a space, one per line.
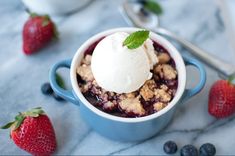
pixel 170 147
pixel 46 89
pixel 188 150
pixel 57 97
pixel 207 149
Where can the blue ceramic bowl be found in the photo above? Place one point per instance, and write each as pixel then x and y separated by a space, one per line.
pixel 127 129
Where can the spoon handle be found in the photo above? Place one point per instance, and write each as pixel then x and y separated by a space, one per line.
pixel 222 67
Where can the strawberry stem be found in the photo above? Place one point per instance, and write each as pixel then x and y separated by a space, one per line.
pixel 18 120
pixel 35 112
pixel 46 20
pixel 230 79
pixel 8 125
pixel 33 14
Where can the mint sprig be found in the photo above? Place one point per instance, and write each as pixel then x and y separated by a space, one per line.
pixel 152 6
pixel 136 39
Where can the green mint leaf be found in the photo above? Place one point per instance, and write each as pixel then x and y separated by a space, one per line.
pixel 153 6
pixel 136 39
pixel 8 125
pixel 60 81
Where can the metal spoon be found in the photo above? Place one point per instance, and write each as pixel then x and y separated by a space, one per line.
pixel 134 14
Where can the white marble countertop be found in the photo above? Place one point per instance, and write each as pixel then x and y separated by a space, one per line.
pixel 21 77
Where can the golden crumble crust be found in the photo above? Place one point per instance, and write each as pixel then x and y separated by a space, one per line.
pixel 165 71
pixel 163 58
pixel 86 87
pixel 109 105
pixel 159 106
pixel 85 72
pixel 164 87
pixel 163 95
pixel 87 60
pixel 132 106
pixel 147 90
pixel 130 95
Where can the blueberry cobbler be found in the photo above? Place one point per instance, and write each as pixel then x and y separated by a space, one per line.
pixel 125 79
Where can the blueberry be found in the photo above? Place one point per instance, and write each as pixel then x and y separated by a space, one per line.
pixel 188 150
pixel 46 89
pixel 207 149
pixel 170 147
pixel 57 97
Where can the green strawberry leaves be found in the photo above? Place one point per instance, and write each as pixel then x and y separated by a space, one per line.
pixel 136 39
pixel 8 125
pixel 33 14
pixel 35 112
pixel 46 20
pixel 231 79
pixel 18 120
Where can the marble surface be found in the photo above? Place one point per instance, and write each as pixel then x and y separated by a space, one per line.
pixel 21 77
pixel 228 14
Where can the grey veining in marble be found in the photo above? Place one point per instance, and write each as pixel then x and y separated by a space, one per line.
pixel 21 77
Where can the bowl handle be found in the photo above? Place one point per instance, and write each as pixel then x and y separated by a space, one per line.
pixel 66 94
pixel 191 92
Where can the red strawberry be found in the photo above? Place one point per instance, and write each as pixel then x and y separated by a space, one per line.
pixel 37 32
pixel 32 131
pixel 222 99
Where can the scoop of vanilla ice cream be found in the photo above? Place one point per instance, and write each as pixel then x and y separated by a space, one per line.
pixel 119 69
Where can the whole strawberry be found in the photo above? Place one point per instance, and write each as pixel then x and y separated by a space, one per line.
pixel 32 131
pixel 221 102
pixel 38 31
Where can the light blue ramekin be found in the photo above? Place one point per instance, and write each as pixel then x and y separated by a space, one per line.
pixel 127 129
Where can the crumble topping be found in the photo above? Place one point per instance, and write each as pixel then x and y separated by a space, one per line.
pixel 164 87
pixel 87 60
pixel 132 106
pixel 85 87
pixel 163 58
pixel 147 90
pixel 162 95
pixel 159 106
pixel 85 72
pixel 165 71
pixel 109 106
pixel 130 95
